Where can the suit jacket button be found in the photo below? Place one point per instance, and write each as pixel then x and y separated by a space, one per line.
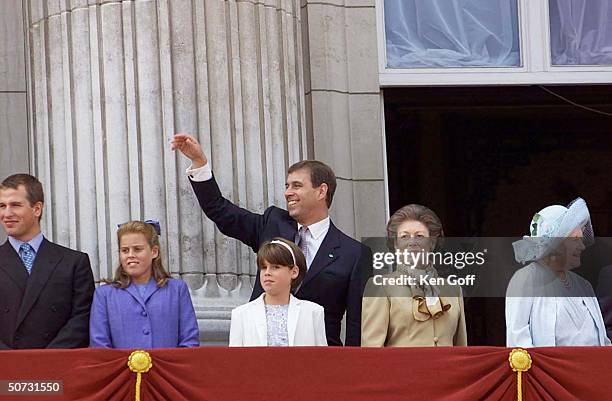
pixel 143 313
pixel 6 310
pixel 53 308
pixel 145 332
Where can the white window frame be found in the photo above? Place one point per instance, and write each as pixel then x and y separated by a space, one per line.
pixel 536 68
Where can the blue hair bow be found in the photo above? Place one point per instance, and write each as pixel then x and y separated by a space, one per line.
pixel 153 223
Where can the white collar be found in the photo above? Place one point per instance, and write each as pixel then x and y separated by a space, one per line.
pixel 35 242
pixel 319 228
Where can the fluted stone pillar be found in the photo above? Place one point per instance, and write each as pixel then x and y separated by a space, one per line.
pixel 14 156
pixel 111 81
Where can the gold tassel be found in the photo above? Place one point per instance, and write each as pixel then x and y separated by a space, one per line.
pixel 520 361
pixel 139 362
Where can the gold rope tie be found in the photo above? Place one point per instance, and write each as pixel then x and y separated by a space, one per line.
pixel 139 362
pixel 520 361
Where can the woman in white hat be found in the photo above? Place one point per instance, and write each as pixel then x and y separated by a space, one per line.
pixel 546 303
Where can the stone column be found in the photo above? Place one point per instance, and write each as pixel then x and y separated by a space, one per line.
pixel 344 107
pixel 13 100
pixel 111 81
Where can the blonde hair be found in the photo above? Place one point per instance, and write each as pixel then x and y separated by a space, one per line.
pixel 121 278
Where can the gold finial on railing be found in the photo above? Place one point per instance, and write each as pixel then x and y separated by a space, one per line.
pixel 520 361
pixel 139 362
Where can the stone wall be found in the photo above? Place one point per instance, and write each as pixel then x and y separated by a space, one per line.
pixel 13 99
pixel 343 108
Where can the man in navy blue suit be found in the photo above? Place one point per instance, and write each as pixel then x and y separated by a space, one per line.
pixel 334 260
pixel 45 289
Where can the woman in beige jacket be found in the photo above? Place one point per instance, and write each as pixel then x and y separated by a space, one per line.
pixel 412 315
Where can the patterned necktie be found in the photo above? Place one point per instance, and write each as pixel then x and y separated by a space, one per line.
pixel 302 242
pixel 27 256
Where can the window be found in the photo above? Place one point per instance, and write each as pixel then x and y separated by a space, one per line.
pixel 457 42
pixel 581 32
pixel 442 33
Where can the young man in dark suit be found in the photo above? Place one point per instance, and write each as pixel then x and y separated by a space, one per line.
pixel 334 260
pixel 46 289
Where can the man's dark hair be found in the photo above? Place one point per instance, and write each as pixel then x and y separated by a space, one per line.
pixel 320 173
pixel 33 187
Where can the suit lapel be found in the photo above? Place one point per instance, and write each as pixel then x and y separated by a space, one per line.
pixel 326 254
pixel 288 231
pixel 133 291
pixel 47 260
pixel 11 264
pixel 259 318
pixel 150 289
pixel 292 318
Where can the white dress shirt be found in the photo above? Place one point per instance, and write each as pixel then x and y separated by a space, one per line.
pixel 34 243
pixel 199 174
pixel 316 234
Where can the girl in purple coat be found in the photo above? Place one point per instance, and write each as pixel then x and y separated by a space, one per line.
pixel 142 307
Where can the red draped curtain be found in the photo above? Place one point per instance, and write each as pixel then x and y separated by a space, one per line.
pixel 308 373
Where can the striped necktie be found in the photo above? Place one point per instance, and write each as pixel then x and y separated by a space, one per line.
pixel 302 242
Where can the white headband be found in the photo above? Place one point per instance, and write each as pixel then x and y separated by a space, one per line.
pixel 288 248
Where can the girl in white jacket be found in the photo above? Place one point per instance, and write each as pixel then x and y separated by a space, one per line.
pixel 277 318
